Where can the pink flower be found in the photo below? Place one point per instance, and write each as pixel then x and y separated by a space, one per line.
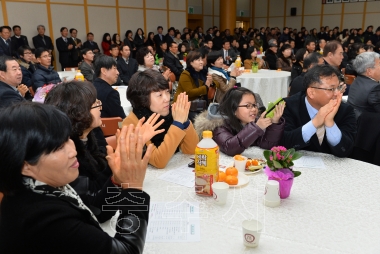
pixel 271 158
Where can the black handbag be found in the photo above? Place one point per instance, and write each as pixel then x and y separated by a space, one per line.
pixel 198 105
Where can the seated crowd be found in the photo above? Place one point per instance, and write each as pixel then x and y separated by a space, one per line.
pixel 179 85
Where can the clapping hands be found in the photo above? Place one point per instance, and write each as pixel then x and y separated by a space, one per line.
pixel 125 162
pixel 180 108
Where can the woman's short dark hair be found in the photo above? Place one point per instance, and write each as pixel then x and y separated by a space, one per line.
pixel 283 48
pixel 142 84
pixel 299 54
pixel 229 105
pixel 140 54
pixel 353 50
pixel 27 131
pixel 212 57
pixel 75 99
pixel 193 55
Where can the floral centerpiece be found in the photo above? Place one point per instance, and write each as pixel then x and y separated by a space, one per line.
pixel 279 167
pixel 184 56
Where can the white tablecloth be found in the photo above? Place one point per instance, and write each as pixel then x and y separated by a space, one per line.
pixel 123 98
pixel 270 84
pixel 69 75
pixel 333 210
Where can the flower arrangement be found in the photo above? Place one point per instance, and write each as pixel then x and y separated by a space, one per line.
pixel 280 162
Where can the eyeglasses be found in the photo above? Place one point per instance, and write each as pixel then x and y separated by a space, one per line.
pixel 338 88
pixel 98 104
pixel 249 106
pixel 46 56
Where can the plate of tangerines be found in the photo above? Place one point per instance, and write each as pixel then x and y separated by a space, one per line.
pixel 254 166
pixel 233 177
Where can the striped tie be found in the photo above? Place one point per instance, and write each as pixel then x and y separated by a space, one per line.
pixel 321 133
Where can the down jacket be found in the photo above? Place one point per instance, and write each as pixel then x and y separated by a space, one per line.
pixel 232 143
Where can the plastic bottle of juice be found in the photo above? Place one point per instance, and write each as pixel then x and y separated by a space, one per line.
pixel 79 76
pixel 206 164
pixel 261 49
pixel 238 62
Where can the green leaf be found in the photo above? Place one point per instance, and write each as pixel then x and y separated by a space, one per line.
pixel 296 173
pixel 277 164
pixel 296 156
pixel 286 154
pixel 267 154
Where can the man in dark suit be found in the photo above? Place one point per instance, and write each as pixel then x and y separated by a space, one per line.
pixel 78 46
pixel 86 67
pixel 209 36
pixel 171 60
pixel 159 37
pixel 317 120
pixel 364 93
pixel 169 37
pixel 18 40
pixel 126 65
pixel 90 44
pixel 229 55
pixel 43 41
pixel 5 42
pixel 66 49
pixel 107 74
pixel 27 67
pixel 10 78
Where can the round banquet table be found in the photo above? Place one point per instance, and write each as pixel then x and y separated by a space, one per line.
pixel 332 210
pixel 270 84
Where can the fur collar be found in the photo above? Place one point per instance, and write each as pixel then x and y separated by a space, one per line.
pixel 203 123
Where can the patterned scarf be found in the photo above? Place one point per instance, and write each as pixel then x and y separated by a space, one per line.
pixel 65 192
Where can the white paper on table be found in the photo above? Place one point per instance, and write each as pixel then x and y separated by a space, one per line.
pixel 174 222
pixel 183 176
pixel 309 162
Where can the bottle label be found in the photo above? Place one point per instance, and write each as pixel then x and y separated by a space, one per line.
pixel 206 169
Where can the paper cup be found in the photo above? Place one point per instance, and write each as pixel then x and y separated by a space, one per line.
pixel 251 232
pixel 72 69
pixel 240 164
pixel 220 191
pixel 272 194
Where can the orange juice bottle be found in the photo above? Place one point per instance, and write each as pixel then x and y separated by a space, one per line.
pixel 79 76
pixel 238 62
pixel 206 164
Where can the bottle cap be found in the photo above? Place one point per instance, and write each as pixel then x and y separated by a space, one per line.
pixel 207 134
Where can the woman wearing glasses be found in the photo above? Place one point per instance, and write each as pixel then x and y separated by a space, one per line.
pixel 78 101
pixel 237 125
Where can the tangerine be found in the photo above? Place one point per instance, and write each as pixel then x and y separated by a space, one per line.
pixel 232 171
pixel 255 163
pixel 239 157
pixel 249 163
pixel 222 176
pixel 232 180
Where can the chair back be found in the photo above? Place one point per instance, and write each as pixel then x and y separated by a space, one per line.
pixel 349 79
pixel 1 196
pixel 31 91
pixel 110 125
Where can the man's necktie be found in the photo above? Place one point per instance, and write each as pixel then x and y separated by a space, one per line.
pixel 65 40
pixel 43 40
pixel 321 133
